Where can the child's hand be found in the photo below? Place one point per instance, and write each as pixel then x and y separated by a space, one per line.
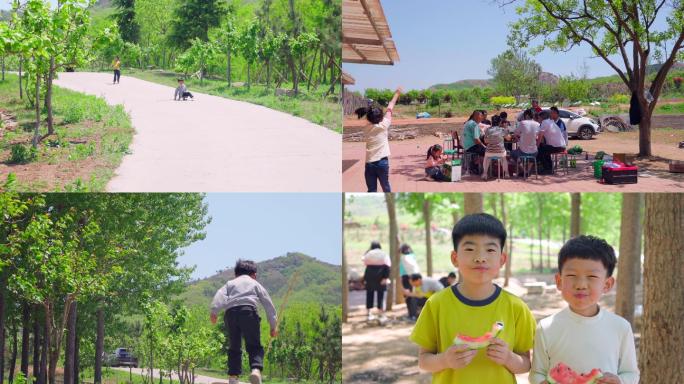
pixel 499 352
pixel 400 90
pixel 458 356
pixel 213 318
pixel 609 378
pixel 384 281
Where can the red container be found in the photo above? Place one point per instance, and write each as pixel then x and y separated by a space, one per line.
pixel 619 173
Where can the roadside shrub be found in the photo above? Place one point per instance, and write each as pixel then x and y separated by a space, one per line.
pixel 20 154
pixel 619 99
pixel 498 101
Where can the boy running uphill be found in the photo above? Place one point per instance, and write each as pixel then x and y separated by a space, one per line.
pixel 470 308
pixel 584 336
pixel 239 297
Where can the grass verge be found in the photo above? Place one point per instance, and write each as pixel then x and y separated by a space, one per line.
pixel 90 140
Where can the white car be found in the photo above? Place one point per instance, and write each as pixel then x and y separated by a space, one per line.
pixel 580 127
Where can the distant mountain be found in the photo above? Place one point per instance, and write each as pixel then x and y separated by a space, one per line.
pixel 463 84
pixel 317 282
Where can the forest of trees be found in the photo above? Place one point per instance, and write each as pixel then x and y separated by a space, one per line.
pixel 661 215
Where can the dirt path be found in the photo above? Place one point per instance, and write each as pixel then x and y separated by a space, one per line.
pixel 213 144
pixel 198 379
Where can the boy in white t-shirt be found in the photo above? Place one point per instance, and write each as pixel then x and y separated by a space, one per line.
pixel 584 336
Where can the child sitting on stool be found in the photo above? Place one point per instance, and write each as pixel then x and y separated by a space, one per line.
pixel 434 163
pixel 182 91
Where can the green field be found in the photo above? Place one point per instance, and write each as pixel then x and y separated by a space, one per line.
pixel 89 143
pixel 312 106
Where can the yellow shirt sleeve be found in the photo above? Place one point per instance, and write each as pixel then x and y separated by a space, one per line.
pixel 425 332
pixel 525 327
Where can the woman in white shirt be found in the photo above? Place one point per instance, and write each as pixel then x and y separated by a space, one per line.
pixel 376 136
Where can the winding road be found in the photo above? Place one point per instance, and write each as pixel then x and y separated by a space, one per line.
pixel 213 144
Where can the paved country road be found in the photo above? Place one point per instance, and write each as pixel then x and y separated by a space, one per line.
pixel 198 379
pixel 213 144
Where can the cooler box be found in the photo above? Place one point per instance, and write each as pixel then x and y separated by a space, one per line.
pixel 619 173
pixel 452 170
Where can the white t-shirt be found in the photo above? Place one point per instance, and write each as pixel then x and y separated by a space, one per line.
pixel 376 137
pixel 527 130
pixel 604 341
pixel 552 133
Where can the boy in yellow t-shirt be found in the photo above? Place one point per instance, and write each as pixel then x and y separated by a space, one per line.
pixel 470 308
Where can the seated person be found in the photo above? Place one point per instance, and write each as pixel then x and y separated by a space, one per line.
pixel 527 133
pixel 550 141
pixel 471 140
pixel 494 137
pixel 434 162
pixel 448 280
pixel 182 91
pixel 423 288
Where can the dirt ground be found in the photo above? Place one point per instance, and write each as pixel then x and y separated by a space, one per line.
pixel 384 354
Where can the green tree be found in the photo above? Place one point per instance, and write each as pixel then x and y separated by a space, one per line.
pixel 249 45
pixel 197 58
pixel 193 19
pixel 514 73
pixel 611 29
pixel 125 20
pixel 155 22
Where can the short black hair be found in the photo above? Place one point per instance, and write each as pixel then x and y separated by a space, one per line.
pixel 544 114
pixel 496 120
pixel 406 249
pixel 416 276
pixel 375 245
pixel 452 274
pixel 245 267
pixel 554 108
pixel 373 114
pixel 588 247
pixel 478 224
pixel 503 115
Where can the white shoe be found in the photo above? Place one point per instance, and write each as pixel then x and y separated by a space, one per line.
pixel 382 318
pixel 371 317
pixel 255 376
pixel 233 380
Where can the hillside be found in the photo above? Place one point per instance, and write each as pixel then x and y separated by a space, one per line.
pixel 544 77
pixel 317 281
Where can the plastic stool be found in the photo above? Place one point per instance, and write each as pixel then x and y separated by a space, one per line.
pixel 525 159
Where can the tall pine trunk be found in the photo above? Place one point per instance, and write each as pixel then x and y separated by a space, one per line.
pixel 428 234
pixel 25 335
pixel 99 346
pixel 662 334
pixel 629 240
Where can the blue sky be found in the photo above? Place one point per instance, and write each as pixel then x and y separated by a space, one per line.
pixel 261 226
pixel 445 41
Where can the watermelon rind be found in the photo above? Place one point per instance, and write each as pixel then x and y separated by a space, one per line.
pixel 496 329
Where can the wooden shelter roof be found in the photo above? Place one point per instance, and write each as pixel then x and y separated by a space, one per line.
pixel 347 79
pixel 366 36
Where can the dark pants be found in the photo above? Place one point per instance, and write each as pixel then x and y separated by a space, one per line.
pixel 436 174
pixel 186 95
pixel 405 282
pixel 413 303
pixel 545 152
pixel 480 151
pixel 243 322
pixel 117 75
pixel 378 170
pixel 380 293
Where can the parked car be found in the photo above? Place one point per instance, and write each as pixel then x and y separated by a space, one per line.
pixel 578 126
pixel 121 357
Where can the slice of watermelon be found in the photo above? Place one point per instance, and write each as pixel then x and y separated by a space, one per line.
pixel 562 374
pixel 482 341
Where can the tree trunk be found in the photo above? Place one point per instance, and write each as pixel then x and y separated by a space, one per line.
pixel 3 290
pixel 99 346
pixel 70 345
pixel 36 133
pixel 575 218
pixel 345 280
pixel 228 69
pixel 248 80
pixel 629 233
pixel 644 128
pixel 507 272
pixel 25 334
pixel 21 90
pixel 13 359
pixel 77 356
pixel 313 64
pixel 393 233
pixel 36 346
pixel 662 335
pixel 428 234
pixel 45 348
pixel 48 96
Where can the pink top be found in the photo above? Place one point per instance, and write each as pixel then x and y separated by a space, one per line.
pixel 431 162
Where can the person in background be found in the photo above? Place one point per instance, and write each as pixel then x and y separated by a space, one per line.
pixel 116 65
pixel 448 280
pixel 376 278
pixel 535 106
pixel 407 266
pixel 472 142
pixel 423 288
pixel 555 116
pixel 553 142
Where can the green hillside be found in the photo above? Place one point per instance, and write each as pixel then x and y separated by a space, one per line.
pixel 463 84
pixel 317 282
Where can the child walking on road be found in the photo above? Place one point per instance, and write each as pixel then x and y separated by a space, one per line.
pixel 239 298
